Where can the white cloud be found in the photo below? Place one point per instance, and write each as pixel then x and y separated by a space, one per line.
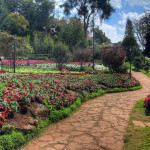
pixel 132 15
pixel 112 32
pixel 116 3
pixel 138 2
pixel 147 8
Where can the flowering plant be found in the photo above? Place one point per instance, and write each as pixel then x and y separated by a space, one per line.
pixel 7 129
pixel 146 101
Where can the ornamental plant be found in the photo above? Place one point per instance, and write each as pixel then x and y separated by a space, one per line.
pixel 7 129
pixel 146 101
pixel 147 105
pixel 113 58
pixel 61 54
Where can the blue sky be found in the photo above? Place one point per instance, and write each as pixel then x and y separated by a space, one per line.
pixel 115 26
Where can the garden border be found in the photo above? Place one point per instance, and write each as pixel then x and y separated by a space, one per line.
pixel 17 140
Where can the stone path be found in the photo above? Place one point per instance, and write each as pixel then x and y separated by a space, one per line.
pixel 99 124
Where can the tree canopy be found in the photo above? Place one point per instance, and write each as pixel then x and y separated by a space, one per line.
pixel 129 28
pixel 16 24
pixel 141 28
pixel 87 8
pixel 100 36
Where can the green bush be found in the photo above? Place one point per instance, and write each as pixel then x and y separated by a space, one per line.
pixel 61 54
pixel 124 68
pixel 146 68
pixel 138 62
pixel 18 139
pixel 7 129
pixel 6 142
pixel 14 106
pixel 11 142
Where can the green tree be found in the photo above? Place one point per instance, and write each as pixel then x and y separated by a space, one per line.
pixel 100 36
pixel 138 62
pixel 15 24
pixel 61 54
pixel 37 12
pixel 72 34
pixel 129 42
pixel 23 49
pixel 129 28
pixel 7 7
pixel 43 44
pixel 141 27
pixel 87 8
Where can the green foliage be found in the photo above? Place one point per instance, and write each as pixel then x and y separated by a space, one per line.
pixel 114 90
pixel 6 142
pixel 61 54
pixel 129 28
pixel 100 36
pixel 14 106
pixel 137 138
pixel 146 68
pixel 141 27
pixel 43 44
pixel 72 34
pixel 18 139
pixel 124 68
pixel 138 62
pixel 15 24
pixel 131 47
pixel 4 105
pixel 13 141
pixel 7 129
pixel 2 88
pixel 87 8
pixel 22 47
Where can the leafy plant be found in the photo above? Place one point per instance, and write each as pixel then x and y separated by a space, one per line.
pixel 61 54
pixel 113 58
pixel 14 106
pixel 7 129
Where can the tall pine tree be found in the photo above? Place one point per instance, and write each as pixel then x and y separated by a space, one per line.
pixel 129 42
pixel 129 28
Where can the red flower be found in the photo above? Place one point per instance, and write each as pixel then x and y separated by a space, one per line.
pixel 6 128
pixel 11 128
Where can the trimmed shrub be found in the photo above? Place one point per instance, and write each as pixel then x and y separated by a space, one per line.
pixel 113 58
pixel 124 68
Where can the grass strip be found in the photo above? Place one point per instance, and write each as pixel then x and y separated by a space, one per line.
pixel 137 138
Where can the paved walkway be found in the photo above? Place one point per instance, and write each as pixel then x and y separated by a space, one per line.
pixel 99 124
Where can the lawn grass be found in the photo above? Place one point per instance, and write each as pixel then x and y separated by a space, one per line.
pixel 33 70
pixel 147 73
pixel 137 138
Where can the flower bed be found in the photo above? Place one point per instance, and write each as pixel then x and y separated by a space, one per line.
pixel 55 89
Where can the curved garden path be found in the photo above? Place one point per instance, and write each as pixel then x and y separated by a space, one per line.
pixel 98 125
